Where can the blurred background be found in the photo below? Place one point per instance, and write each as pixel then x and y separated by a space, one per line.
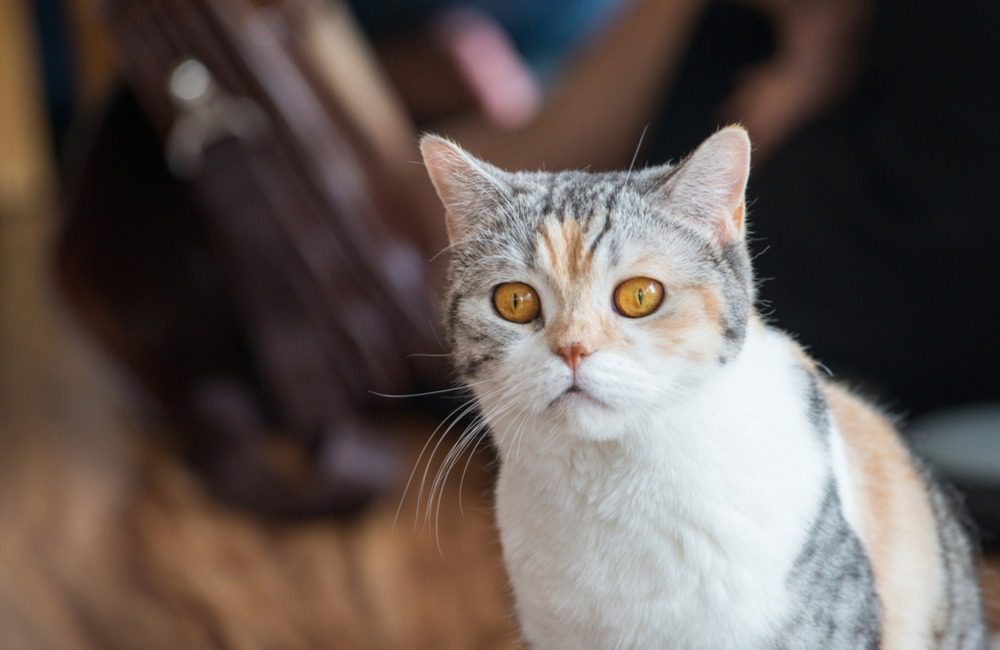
pixel 220 261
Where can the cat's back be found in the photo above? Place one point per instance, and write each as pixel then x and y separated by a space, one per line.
pixel 920 555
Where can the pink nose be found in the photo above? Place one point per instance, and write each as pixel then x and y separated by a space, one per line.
pixel 573 354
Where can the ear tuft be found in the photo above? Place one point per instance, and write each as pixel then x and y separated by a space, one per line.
pixel 465 184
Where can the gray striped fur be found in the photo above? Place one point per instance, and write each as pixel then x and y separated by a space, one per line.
pixel 964 627
pixel 832 587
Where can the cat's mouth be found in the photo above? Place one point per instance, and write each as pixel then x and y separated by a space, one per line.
pixel 575 393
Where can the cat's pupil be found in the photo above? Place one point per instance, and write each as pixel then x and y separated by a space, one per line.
pixel 514 300
pixel 638 296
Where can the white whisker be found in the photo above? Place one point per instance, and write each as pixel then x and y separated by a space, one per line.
pixel 470 405
pixel 416 463
pixel 635 155
pixel 430 392
pixel 436 492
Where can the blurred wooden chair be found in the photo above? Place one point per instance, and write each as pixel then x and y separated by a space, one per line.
pixel 238 234
pixel 25 162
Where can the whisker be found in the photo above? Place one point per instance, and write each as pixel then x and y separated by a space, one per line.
pixel 477 427
pixel 519 422
pixel 443 477
pixel 523 432
pixel 438 485
pixel 416 463
pixel 472 431
pixel 430 499
pixel 550 438
pixel 430 392
pixel 460 242
pixel 471 405
pixel 484 432
pixel 427 466
pixel 635 155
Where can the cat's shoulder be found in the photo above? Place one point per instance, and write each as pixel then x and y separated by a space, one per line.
pixel 870 433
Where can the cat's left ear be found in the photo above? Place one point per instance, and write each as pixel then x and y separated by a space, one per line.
pixel 467 186
pixel 711 183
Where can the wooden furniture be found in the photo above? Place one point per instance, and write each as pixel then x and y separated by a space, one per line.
pixel 25 166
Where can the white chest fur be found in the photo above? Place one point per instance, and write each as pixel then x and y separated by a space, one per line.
pixel 680 536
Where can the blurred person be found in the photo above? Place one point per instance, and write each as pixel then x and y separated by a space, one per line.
pixel 445 56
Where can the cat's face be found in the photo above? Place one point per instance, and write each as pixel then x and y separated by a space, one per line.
pixel 591 301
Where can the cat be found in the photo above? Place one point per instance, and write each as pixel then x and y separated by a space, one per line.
pixel 673 471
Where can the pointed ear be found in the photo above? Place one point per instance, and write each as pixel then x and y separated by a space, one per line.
pixel 466 185
pixel 712 181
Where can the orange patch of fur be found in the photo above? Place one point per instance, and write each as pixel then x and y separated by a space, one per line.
pixel 698 312
pixel 592 332
pixel 571 264
pixel 566 248
pixel 726 229
pixel 550 249
pixel 808 362
pixel 711 304
pixel 738 214
pixel 578 260
pixel 898 528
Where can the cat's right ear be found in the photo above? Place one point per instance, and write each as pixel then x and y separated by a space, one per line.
pixel 466 185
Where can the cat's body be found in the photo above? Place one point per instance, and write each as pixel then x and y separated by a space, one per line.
pixel 616 545
pixel 683 477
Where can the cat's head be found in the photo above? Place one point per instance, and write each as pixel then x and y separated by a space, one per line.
pixel 594 299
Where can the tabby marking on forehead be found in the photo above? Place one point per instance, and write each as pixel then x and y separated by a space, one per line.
pixel 568 258
pixel 564 252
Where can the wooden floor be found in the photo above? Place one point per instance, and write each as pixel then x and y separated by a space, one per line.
pixel 105 542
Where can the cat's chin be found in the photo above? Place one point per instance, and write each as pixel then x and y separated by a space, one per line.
pixel 582 415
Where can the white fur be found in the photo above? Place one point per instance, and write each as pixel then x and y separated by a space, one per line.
pixel 847 488
pixel 675 527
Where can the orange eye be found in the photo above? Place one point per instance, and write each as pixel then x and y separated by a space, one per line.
pixel 516 302
pixel 638 297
